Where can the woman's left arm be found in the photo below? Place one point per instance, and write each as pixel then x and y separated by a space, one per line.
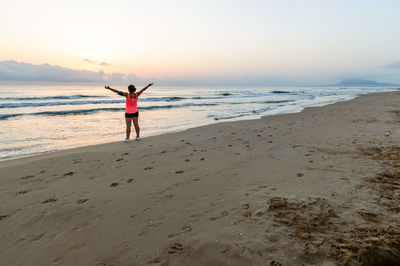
pixel 145 88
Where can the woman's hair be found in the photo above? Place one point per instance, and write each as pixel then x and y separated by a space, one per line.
pixel 131 88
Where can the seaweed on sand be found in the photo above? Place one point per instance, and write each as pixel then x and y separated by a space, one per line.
pixel 316 223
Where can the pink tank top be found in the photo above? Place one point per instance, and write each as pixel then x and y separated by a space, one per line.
pixel 131 105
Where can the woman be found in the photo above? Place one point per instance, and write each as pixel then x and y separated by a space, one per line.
pixel 131 109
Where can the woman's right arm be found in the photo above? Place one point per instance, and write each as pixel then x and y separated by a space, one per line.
pixel 116 91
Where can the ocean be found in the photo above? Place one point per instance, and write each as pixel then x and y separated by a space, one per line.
pixel 38 119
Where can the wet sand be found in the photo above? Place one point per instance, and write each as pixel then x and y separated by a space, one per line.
pixel 320 187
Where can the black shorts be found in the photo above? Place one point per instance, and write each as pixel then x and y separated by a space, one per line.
pixel 130 115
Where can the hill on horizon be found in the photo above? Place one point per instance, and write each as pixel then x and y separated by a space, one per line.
pixel 363 82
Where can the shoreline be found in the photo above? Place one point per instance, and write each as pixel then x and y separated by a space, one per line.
pixel 178 131
pixel 319 186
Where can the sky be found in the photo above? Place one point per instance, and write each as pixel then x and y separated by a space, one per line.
pixel 200 41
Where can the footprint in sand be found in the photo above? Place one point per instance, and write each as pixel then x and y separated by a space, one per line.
pixel 169 196
pixel 78 246
pixel 118 160
pixel 130 180
pixel 27 177
pixel 3 216
pixel 41 172
pixel 175 248
pixel 179 172
pixel 148 168
pixel 223 213
pixel 80 201
pixel 77 161
pixel 57 260
pixel 186 228
pixel 245 206
pixel 114 184
pixel 247 214
pixel 69 173
pixel 50 200
pixel 157 261
pixel 274 263
pixel 23 191
pixel 187 160
pixel 202 159
pixel 126 153
pixel 300 174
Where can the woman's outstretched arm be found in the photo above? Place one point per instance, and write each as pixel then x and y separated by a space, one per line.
pixel 142 90
pixel 116 91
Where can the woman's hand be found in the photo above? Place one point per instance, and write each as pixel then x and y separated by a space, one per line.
pixel 107 87
pixel 151 84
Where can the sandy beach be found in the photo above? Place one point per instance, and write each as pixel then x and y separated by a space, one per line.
pixel 320 187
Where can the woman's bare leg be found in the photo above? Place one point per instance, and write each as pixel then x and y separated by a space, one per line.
pixel 136 123
pixel 128 127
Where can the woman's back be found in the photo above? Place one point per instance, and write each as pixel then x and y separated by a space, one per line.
pixel 131 103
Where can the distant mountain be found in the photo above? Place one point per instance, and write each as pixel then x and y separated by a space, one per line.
pixel 363 82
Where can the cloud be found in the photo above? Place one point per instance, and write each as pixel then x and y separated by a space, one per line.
pixel 96 63
pixel 24 72
pixel 393 65
pixel 20 72
pixel 87 60
pixel 115 77
pixel 14 71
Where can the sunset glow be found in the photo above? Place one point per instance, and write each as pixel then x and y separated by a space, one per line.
pixel 307 41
